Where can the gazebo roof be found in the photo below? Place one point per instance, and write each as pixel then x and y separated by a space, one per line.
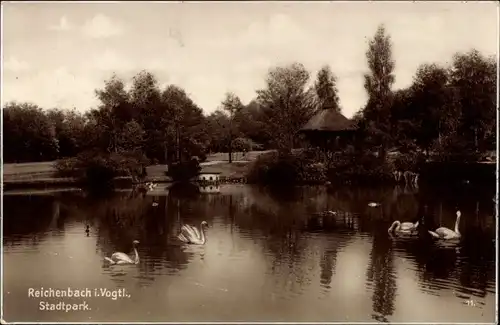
pixel 328 120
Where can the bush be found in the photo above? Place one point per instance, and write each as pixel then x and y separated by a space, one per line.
pixel 360 167
pixel 349 166
pixel 68 168
pixel 286 169
pixel 185 171
pixel 101 168
pixel 453 148
pixel 410 161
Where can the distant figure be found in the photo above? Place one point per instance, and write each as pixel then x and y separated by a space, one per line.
pixel 87 230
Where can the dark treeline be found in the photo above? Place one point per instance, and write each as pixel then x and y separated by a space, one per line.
pixel 446 111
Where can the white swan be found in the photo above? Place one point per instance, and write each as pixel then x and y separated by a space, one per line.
pixel 403 227
pixel 445 233
pixel 122 258
pixel 191 235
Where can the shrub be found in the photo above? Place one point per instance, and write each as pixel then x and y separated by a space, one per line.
pixel 359 167
pixel 183 171
pixel 409 161
pixel 286 169
pixel 68 167
pixel 97 168
pixel 453 148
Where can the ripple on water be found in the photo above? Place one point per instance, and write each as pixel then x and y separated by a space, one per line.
pixel 254 263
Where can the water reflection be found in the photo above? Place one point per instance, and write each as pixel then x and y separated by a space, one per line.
pixel 271 255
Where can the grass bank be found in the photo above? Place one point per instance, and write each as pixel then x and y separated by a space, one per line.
pixel 43 174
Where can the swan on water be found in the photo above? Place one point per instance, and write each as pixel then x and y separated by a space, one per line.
pixel 445 233
pixel 403 227
pixel 122 258
pixel 191 235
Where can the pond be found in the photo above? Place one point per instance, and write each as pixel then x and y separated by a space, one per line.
pixel 268 256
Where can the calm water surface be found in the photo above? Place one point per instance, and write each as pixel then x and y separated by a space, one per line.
pixel 267 258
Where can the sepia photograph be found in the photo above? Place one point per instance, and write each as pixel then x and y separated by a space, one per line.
pixel 251 161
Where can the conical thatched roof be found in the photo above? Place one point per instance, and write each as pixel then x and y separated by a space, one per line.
pixel 328 120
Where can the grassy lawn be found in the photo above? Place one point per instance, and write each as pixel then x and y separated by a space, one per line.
pixel 237 156
pixel 44 171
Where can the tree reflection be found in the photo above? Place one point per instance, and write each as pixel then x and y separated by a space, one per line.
pixel 299 244
pixel 380 275
pixel 27 216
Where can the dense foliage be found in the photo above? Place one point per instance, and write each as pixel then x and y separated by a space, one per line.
pixel 446 114
pixel 183 171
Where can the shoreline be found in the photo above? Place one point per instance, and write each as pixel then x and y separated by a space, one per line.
pixel 41 175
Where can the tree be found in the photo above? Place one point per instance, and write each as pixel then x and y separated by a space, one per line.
pixel 431 104
pixel 185 123
pixel 473 79
pixel 114 111
pixel 253 124
pixel 69 127
pixel 286 104
pixel 326 90
pixel 378 84
pixel 404 121
pixel 28 134
pixel 233 106
pixel 131 137
pixel 217 126
pixel 145 99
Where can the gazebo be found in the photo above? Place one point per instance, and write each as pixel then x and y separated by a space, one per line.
pixel 329 130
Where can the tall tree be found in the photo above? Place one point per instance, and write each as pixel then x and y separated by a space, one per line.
pixel 473 77
pixel 233 106
pixel 378 85
pixel 217 126
pixel 145 99
pixel 69 126
pixel 286 103
pixel 28 134
pixel 114 110
pixel 185 123
pixel 254 126
pixel 326 90
pixel 432 106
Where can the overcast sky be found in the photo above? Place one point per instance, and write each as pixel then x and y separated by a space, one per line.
pixel 56 54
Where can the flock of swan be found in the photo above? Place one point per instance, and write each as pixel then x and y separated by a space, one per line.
pixel 191 235
pixel 441 233
pixel 188 235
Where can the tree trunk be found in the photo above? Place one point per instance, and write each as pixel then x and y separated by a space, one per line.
pixel 178 140
pixel 230 151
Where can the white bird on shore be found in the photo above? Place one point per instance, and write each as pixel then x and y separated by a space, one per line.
pixel 191 235
pixel 445 233
pixel 122 258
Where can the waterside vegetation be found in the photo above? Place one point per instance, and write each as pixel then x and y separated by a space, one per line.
pixel 446 116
